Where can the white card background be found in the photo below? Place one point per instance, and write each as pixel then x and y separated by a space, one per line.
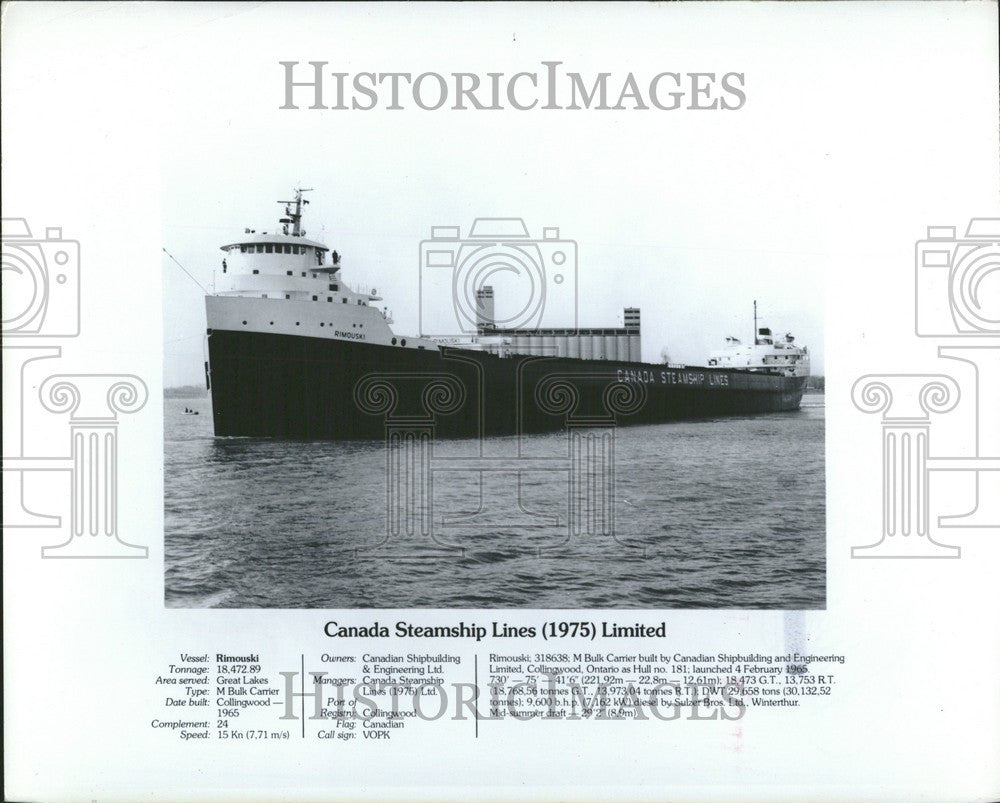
pixel 137 127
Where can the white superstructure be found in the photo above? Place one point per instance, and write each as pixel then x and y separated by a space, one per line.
pixel 766 354
pixel 283 283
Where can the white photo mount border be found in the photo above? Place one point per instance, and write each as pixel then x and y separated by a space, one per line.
pixel 41 304
pixel 949 304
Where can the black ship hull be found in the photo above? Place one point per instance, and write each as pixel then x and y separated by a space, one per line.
pixel 285 386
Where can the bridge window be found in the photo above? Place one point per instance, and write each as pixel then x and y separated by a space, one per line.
pixel 303 274
pixel 268 249
pixel 243 249
pixel 333 288
pixel 345 300
pixel 287 295
pixel 315 298
pixel 288 273
pixel 255 272
pixel 329 298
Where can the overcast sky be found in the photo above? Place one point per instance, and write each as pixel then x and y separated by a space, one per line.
pixel 690 215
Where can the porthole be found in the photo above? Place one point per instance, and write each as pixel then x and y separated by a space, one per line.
pixel 244 323
pixel 272 323
pixel 296 323
pixel 322 324
pixel 402 342
pixel 394 341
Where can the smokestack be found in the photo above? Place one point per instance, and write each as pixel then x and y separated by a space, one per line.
pixel 485 315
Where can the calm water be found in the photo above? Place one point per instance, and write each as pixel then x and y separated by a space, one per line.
pixel 727 513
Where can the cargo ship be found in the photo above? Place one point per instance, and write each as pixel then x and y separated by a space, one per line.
pixel 295 352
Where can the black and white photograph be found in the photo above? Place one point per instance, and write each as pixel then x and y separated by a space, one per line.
pixel 629 418
pixel 501 401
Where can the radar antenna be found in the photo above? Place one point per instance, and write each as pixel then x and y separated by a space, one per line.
pixel 294 218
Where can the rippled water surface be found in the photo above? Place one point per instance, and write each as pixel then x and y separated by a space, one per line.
pixel 726 513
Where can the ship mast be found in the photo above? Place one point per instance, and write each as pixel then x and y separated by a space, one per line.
pixel 295 218
pixel 756 342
